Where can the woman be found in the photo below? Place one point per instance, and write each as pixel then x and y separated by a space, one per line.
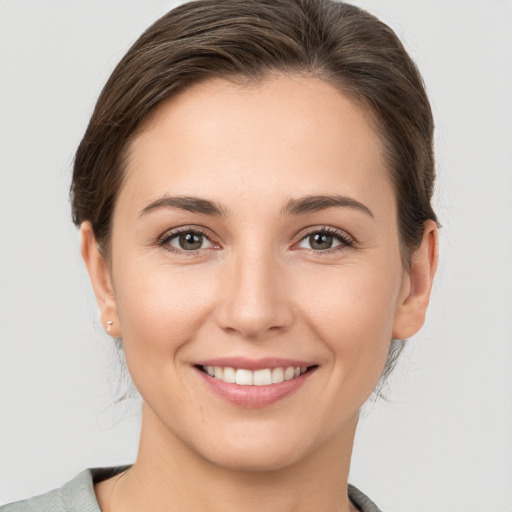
pixel 253 194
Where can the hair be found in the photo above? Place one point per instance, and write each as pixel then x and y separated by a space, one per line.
pixel 246 41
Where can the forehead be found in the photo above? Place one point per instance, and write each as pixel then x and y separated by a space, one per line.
pixel 286 135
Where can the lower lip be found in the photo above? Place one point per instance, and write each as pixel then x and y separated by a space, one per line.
pixel 254 397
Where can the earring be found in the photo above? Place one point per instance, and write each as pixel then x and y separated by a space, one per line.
pixel 109 325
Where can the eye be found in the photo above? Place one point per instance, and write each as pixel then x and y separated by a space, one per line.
pixel 325 239
pixel 187 240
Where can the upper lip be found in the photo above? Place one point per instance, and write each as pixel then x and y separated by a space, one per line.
pixel 254 364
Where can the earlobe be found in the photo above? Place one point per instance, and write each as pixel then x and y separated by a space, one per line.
pixel 101 280
pixel 411 310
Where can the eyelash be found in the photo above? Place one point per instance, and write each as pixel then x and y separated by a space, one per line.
pixel 345 240
pixel 163 241
pixel 340 236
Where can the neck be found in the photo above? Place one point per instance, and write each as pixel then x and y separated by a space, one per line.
pixel 170 475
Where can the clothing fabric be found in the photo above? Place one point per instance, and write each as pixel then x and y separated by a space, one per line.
pixel 78 495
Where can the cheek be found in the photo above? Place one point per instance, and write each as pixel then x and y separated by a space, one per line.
pixel 160 309
pixel 353 315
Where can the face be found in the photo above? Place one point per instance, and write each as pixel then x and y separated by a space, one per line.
pixel 255 239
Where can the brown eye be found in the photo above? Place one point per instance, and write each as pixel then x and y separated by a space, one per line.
pixel 189 241
pixel 320 241
pixel 325 239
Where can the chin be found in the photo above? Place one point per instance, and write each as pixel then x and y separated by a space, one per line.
pixel 251 453
pixel 255 459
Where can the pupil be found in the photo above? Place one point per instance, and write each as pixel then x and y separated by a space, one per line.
pixel 320 241
pixel 191 241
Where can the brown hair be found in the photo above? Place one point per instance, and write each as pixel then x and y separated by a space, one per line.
pixel 247 40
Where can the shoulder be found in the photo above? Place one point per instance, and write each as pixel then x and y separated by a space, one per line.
pixel 75 496
pixel 78 495
pixel 361 501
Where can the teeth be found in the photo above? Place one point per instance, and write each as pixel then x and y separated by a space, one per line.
pixel 244 377
pixel 263 377
pixel 289 373
pixel 277 375
pixel 229 375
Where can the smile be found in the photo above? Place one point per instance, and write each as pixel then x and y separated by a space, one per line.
pixel 262 377
pixel 254 383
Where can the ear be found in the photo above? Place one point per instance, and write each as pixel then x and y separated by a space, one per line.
pixel 101 280
pixel 415 295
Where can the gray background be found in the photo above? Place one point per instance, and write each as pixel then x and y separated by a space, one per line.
pixel 444 440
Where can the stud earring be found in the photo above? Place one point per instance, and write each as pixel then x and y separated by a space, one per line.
pixel 109 325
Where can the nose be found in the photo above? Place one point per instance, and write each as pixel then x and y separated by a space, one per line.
pixel 255 299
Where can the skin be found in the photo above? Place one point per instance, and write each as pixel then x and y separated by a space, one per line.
pixel 255 288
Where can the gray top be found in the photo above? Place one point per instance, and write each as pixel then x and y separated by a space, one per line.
pixel 78 495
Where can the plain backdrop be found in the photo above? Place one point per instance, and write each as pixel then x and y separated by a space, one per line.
pixel 443 441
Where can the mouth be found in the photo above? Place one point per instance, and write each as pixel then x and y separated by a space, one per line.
pixel 254 384
pixel 261 377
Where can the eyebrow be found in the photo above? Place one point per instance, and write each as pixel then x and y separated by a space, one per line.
pixel 188 203
pixel 310 204
pixel 307 204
